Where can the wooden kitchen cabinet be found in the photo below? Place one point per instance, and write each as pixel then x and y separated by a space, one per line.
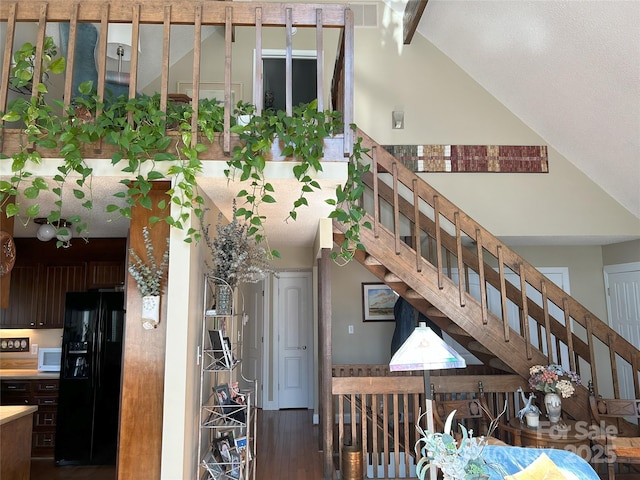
pixel 43 394
pixel 24 298
pixel 40 281
pixel 58 280
pixel 37 295
pixel 105 275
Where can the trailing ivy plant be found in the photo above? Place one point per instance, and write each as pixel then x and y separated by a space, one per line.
pixel 147 152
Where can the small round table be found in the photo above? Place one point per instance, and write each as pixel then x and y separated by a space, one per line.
pixel 574 438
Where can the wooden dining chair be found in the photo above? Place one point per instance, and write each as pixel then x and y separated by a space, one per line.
pixel 618 440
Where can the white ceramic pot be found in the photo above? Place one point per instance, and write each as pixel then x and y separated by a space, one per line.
pixel 533 419
pixel 150 311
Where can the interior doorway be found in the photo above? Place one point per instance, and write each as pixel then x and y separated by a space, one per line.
pixel 622 284
pixel 303 78
pixel 293 345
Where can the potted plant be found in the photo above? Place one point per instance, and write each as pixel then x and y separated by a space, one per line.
pixel 150 277
pixel 456 459
pixel 556 383
pixel 138 129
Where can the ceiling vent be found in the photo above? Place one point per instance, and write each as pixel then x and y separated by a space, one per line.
pixel 365 14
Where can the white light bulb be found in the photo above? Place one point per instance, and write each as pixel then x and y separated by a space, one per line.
pixel 46 232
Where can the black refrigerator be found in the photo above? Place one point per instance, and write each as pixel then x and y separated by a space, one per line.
pixel 89 397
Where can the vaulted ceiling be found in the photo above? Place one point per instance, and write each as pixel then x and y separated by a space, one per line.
pixel 568 69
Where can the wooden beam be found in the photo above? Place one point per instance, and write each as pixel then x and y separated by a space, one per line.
pixel 412 15
pixel 143 366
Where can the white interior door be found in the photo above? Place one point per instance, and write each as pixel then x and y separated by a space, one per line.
pixel 293 320
pixel 622 283
pixel 252 343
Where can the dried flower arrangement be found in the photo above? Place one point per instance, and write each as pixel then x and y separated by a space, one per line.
pixel 149 276
pixel 553 379
pixel 236 257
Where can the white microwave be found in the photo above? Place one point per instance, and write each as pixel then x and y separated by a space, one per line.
pixel 49 359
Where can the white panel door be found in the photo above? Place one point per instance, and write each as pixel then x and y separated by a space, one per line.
pixel 294 319
pixel 622 283
pixel 252 341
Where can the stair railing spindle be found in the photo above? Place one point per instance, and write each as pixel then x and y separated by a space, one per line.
pixel 462 271
pixel 503 295
pixel 436 219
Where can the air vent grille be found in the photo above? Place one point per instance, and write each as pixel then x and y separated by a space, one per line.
pixel 365 14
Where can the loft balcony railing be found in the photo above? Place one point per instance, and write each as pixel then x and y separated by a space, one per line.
pixel 228 15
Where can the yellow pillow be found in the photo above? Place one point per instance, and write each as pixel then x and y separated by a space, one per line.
pixel 542 468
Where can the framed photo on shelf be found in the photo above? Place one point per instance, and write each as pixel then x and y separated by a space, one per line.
pixel 222 447
pixel 236 465
pixel 212 466
pixel 378 301
pixel 221 349
pixel 212 90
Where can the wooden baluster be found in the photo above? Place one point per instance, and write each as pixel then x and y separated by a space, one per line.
pixel 166 45
pixel 197 41
pixel 6 59
pixel 288 63
pixel 385 433
pixel 459 254
pixel 71 56
pixel 396 437
pixel 375 402
pixel 135 41
pixel 436 219
pixel 569 333
pixel 503 295
pixel 376 193
pixel 483 286
pixel 592 357
pixel 258 98
pixel 417 244
pixel 37 66
pixel 349 49
pixel 547 323
pixel 614 365
pixel 396 208
pixel 524 322
pixel 228 107
pixel 319 60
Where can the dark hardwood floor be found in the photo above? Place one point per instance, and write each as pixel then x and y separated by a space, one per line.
pixel 287 449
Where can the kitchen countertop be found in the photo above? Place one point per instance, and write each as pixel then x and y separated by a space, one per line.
pixel 8 413
pixel 26 374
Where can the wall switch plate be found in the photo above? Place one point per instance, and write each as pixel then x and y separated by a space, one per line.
pixel 34 349
pixel 350 329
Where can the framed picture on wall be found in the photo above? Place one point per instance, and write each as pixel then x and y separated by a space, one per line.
pixel 377 302
pixel 212 90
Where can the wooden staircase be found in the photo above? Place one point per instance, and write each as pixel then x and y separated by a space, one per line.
pixel 450 268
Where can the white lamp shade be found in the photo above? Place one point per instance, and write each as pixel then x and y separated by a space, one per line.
pixel 424 350
pixel 46 232
pixel 119 35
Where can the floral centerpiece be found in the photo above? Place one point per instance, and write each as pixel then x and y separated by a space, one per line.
pixel 556 383
pixel 553 379
pixel 457 459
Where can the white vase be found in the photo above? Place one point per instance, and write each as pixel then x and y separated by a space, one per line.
pixel 150 311
pixel 553 405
